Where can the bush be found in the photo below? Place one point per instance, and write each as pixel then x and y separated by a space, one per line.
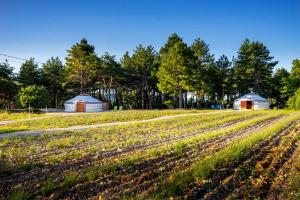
pixel 33 96
pixel 294 101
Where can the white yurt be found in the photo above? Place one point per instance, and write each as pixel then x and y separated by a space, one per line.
pixel 83 103
pixel 251 101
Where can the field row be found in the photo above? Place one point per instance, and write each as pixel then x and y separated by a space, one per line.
pixel 22 121
pixel 210 156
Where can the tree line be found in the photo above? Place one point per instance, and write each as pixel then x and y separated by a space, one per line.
pixel 177 76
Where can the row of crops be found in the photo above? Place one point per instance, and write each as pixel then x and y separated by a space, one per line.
pixel 23 121
pixel 213 155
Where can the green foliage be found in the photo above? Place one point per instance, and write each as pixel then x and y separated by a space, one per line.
pixel 223 83
pixel 52 78
pixel 8 87
pixel 253 68
pixel 81 64
pixel 294 101
pixel 279 87
pixel 92 175
pixel 70 179
pixel 29 73
pixel 203 70
pixel 174 70
pixel 48 186
pixel 179 74
pixel 140 74
pixel 292 82
pixel 34 96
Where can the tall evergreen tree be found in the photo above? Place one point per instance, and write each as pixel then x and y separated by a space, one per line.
pixel 52 77
pixel 223 85
pixel 143 60
pixel 8 87
pixel 292 83
pixel 109 73
pixel 204 70
pixel 278 87
pixel 253 68
pixel 29 73
pixel 81 64
pixel 174 70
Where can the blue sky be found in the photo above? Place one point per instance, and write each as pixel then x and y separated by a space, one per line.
pixel 41 29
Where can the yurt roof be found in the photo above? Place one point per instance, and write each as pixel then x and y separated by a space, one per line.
pixel 251 97
pixel 83 98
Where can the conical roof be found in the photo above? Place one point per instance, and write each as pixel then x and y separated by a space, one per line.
pixel 251 97
pixel 84 98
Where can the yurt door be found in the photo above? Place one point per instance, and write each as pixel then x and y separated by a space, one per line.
pixel 244 104
pixel 80 107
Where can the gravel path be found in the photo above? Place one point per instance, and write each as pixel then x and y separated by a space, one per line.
pixel 73 128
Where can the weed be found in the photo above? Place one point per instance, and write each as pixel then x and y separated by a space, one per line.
pixel 70 180
pixel 92 175
pixel 48 186
pixel 19 195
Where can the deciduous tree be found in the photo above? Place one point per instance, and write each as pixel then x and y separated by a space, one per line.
pixel 33 96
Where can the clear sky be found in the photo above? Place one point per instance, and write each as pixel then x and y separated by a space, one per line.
pixel 45 28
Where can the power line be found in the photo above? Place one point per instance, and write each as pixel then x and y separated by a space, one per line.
pixel 14 61
pixel 1 54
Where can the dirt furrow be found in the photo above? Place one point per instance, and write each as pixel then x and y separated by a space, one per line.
pixel 85 146
pixel 33 179
pixel 93 157
pixel 259 183
pixel 281 186
pixel 239 169
pixel 153 171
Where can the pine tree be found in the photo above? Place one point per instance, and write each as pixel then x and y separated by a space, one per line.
pixel 29 73
pixel 52 77
pixel 174 70
pixel 81 64
pixel 253 68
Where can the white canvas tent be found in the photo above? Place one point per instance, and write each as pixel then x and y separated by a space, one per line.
pixel 251 101
pixel 83 103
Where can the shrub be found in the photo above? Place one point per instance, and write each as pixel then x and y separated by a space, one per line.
pixel 34 96
pixel 294 101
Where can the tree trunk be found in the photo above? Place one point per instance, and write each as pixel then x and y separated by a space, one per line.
pixel 185 100
pixel 149 96
pixel 142 91
pixel 56 101
pixel 180 98
pixel 116 96
pixel 81 82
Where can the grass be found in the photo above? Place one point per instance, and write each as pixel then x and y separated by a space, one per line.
pixel 48 186
pixel 19 195
pixel 5 116
pixel 70 179
pixel 57 121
